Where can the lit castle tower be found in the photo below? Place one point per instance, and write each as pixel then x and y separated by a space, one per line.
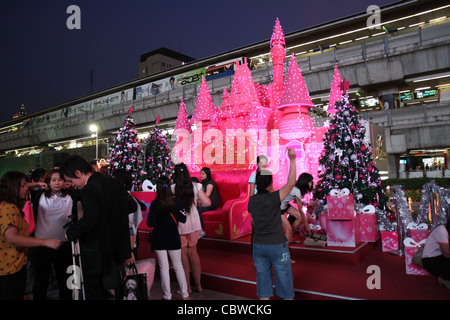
pixel 295 126
pixel 278 55
pixel 255 119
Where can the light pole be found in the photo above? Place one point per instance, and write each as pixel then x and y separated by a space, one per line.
pixel 94 128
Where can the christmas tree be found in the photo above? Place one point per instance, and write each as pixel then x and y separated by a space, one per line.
pixel 157 160
pixel 347 159
pixel 336 92
pixel 125 153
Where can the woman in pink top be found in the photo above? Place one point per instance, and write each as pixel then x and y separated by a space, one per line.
pixel 191 194
pixel 436 254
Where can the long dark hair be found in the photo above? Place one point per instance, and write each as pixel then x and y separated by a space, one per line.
pixel 302 183
pixel 207 171
pixel 10 188
pixel 258 160
pixel 48 192
pixel 183 186
pixel 164 193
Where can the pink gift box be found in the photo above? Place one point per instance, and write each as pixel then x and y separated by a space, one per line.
pixel 341 233
pixel 418 235
pixel 367 227
pixel 389 241
pixel 323 221
pixel 341 207
pixel 411 247
pixel 418 232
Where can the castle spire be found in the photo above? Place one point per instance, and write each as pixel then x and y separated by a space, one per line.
pixel 243 94
pixel 277 35
pixel 182 119
pixel 295 92
pixel 204 106
pixel 278 55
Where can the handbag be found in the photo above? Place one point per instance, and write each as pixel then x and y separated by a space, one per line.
pixel 315 240
pixel 134 285
pixel 29 215
pixel 147 266
pixel 417 257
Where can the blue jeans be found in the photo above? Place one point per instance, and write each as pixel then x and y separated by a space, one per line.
pixel 277 256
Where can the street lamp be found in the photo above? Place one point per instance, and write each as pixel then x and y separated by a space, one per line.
pixel 94 128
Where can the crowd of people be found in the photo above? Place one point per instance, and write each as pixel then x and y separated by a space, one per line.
pixel 78 202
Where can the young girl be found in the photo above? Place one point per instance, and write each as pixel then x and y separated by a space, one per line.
pixel 261 163
pixel 188 192
pixel 164 215
pixel 52 208
pixel 302 187
pixel 14 238
pixel 210 189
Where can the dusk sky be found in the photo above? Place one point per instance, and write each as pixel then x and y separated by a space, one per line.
pixel 43 63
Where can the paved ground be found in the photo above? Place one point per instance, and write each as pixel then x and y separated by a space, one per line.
pixel 156 293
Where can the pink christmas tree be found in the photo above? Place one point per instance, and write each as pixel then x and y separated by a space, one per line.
pixel 336 92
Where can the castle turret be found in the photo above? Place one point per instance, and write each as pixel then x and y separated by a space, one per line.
pixel 278 55
pixel 295 102
pixel 182 118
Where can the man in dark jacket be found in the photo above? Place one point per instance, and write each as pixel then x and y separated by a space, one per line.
pixel 102 230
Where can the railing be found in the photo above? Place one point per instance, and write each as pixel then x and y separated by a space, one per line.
pixel 365 51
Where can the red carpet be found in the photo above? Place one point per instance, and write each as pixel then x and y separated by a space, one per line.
pixel 326 273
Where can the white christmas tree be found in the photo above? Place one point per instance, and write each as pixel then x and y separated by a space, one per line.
pixel 126 151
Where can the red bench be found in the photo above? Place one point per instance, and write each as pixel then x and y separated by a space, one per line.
pixel 231 219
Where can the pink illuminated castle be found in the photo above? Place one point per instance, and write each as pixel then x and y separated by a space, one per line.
pixel 255 119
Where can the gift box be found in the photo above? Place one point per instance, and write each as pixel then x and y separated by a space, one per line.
pixel 417 232
pixel 367 225
pixel 389 241
pixel 323 221
pixel 341 205
pixel 411 247
pixel 341 233
pixel 147 266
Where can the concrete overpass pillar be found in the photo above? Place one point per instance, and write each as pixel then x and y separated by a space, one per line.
pixel 389 97
pixel 393 164
pixel 395 146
